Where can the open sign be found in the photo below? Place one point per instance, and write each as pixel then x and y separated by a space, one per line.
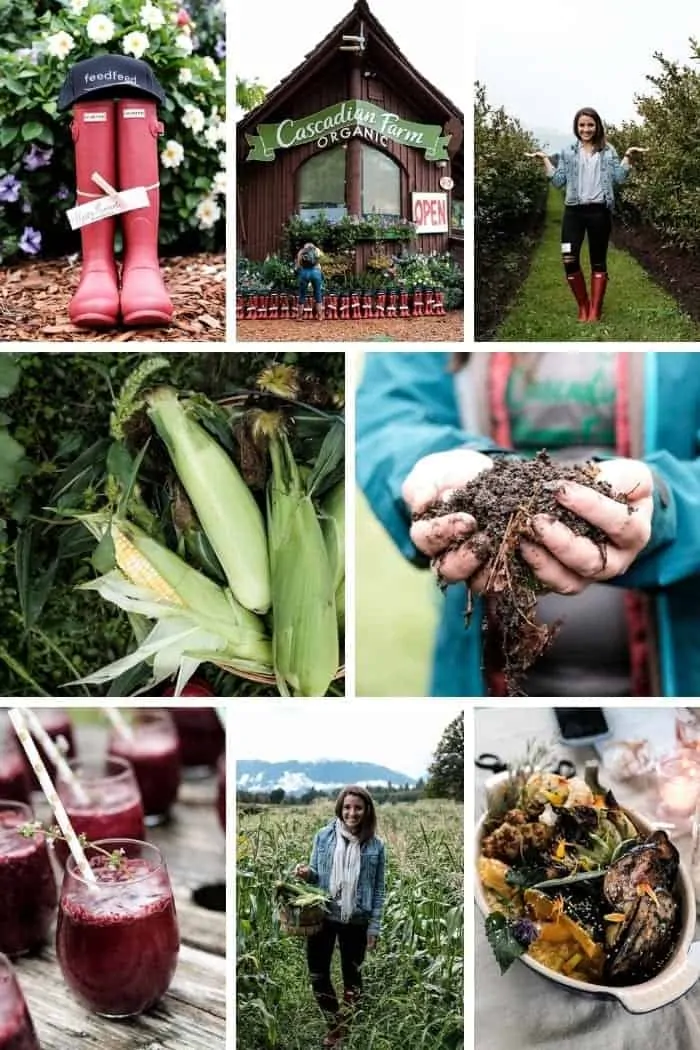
pixel 430 212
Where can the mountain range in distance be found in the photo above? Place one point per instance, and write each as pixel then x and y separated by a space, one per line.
pixel 296 778
pixel 552 141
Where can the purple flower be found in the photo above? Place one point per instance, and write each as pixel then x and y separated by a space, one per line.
pixel 525 932
pixel 37 158
pixel 62 193
pixel 220 48
pixel 27 208
pixel 32 54
pixel 9 189
pixel 30 242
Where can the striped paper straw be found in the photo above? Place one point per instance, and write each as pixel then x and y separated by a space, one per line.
pixel 120 723
pixel 54 753
pixel 22 731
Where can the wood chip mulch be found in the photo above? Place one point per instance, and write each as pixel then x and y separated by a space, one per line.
pixel 34 299
pixel 447 329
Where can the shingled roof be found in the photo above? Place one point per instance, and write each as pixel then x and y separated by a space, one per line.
pixel 327 51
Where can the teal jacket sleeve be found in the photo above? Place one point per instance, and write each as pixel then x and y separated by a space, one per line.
pixel 673 551
pixel 406 409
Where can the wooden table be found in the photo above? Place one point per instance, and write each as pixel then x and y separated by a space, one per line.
pixel 192 1016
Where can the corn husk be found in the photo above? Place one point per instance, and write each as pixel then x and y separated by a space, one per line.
pixel 196 619
pixel 224 504
pixel 305 635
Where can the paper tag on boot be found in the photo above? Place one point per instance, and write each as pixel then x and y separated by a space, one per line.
pixel 105 207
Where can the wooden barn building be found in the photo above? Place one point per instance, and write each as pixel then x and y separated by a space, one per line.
pixel 353 131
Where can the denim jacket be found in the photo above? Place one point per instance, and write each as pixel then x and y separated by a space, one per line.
pixel 566 173
pixel 370 885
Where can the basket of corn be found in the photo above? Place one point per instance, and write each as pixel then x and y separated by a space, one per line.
pixel 238 558
pixel 301 909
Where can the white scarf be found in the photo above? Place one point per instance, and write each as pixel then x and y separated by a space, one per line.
pixel 346 870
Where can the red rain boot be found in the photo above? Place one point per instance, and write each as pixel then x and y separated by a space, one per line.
pixel 599 282
pixel 262 307
pixel 144 298
pixel 96 302
pixel 251 307
pixel 439 304
pixel 577 283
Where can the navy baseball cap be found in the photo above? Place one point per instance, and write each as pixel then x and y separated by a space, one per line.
pixel 109 76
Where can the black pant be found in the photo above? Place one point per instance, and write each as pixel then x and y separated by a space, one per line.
pixel 579 220
pixel 352 941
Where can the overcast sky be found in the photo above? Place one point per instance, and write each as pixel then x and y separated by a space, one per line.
pixel 544 61
pixel 269 39
pixel 400 734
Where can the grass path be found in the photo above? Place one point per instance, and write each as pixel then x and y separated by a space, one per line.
pixel 635 310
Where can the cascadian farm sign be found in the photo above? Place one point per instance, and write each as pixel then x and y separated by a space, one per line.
pixel 343 121
pixel 430 212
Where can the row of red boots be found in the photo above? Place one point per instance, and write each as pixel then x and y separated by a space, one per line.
pixel 346 307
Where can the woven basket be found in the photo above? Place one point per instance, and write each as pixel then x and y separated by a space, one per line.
pixel 300 922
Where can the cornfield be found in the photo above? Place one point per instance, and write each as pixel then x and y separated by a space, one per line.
pixel 414 981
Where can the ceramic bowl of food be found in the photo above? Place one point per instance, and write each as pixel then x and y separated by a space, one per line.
pixel 640 901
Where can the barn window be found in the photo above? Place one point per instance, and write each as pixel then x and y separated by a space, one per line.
pixel 321 186
pixel 381 183
pixel 457 219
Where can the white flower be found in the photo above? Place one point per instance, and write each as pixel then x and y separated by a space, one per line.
pixel 185 75
pixel 211 66
pixel 173 154
pixel 208 213
pixel 223 159
pixel 218 186
pixel 100 29
pixel 215 133
pixel 77 6
pixel 59 44
pixel 184 43
pixel 135 44
pixel 151 17
pixel 193 119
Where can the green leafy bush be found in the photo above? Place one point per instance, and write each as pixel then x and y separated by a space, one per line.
pixel 345 233
pixel 385 272
pixel 663 189
pixel 36 151
pixel 510 192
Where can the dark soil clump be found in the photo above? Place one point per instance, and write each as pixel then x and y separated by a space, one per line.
pixel 503 501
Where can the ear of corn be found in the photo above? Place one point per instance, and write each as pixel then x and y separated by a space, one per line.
pixel 224 504
pixel 305 635
pixel 197 619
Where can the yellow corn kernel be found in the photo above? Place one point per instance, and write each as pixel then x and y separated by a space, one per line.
pixel 139 570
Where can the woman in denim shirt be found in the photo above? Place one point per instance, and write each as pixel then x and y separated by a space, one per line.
pixel 348 862
pixel 589 169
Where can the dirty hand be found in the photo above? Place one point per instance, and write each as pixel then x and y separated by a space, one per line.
pixel 567 563
pixel 302 871
pixel 434 477
pixel 371 942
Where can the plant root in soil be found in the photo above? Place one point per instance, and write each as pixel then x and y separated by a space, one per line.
pixel 503 501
